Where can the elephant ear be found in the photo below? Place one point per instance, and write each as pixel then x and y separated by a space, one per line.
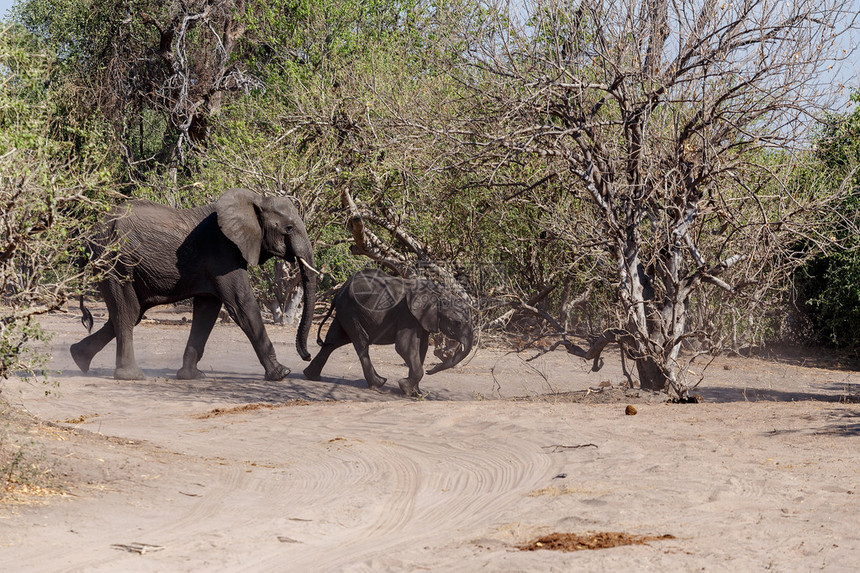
pixel 238 218
pixel 423 302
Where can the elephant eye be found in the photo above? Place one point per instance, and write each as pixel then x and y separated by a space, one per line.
pixel 281 226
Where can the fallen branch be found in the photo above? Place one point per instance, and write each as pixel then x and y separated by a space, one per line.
pixel 555 448
pixel 593 353
pixel 370 245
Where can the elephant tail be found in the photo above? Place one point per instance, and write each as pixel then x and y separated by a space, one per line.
pixel 325 318
pixel 87 316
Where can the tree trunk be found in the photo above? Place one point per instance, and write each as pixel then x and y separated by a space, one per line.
pixel 651 376
pixel 293 308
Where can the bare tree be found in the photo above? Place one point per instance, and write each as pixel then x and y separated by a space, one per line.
pixel 37 270
pixel 45 191
pixel 157 71
pixel 676 128
pixel 182 75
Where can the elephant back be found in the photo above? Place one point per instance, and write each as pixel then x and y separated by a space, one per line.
pixel 144 217
pixel 144 235
pixel 374 291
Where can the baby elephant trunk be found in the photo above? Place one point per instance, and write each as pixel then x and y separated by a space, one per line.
pixel 465 338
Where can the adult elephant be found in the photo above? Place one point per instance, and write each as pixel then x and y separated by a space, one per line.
pixel 157 255
pixel 375 308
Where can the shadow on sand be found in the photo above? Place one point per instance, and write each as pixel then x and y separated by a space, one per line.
pixel 835 392
pixel 216 387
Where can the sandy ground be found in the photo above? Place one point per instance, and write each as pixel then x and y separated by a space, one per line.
pixel 168 475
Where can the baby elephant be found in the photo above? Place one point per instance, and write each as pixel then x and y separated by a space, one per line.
pixel 375 308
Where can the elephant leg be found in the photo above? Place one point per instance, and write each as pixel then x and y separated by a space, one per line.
pixel 84 351
pixel 334 339
pixel 361 343
pixel 205 313
pixel 374 380
pixel 124 311
pixel 422 351
pixel 410 346
pixel 237 296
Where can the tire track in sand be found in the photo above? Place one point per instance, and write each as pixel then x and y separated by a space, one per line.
pixel 372 489
pixel 382 494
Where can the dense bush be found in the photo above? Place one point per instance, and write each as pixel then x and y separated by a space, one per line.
pixel 829 286
pixel 54 177
pixel 411 140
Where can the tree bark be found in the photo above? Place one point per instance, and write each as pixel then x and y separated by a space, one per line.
pixel 651 376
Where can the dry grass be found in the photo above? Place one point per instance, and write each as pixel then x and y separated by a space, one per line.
pixel 250 408
pixel 588 541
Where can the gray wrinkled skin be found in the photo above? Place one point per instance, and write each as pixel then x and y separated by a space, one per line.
pixel 152 255
pixel 375 308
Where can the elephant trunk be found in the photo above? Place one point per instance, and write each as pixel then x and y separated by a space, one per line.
pixel 309 284
pixel 465 348
pixel 466 339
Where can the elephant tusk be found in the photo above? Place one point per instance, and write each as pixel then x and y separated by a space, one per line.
pixel 309 267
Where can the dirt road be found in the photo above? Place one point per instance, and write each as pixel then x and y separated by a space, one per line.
pixel 234 473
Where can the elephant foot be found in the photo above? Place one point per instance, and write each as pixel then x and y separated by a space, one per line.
pixel 377 384
pixel 80 357
pixel 278 373
pixel 409 388
pixel 129 373
pixel 189 373
pixel 312 373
